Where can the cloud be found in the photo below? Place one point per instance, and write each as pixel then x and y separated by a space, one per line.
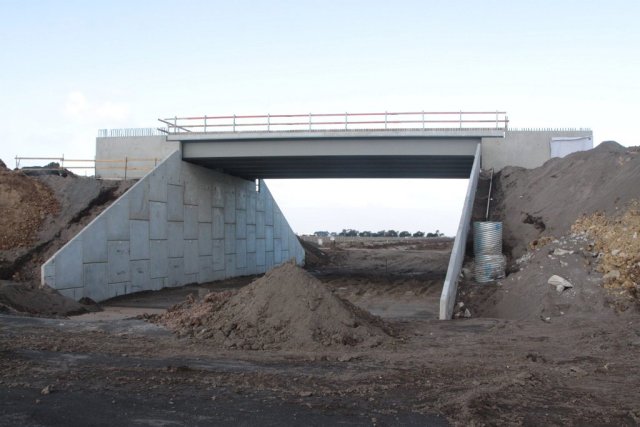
pixel 77 107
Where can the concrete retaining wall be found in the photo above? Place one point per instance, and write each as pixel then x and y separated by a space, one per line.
pixel 180 224
pixel 142 153
pixel 526 148
pixel 450 287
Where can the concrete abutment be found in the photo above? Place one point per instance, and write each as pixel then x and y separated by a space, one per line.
pixel 180 224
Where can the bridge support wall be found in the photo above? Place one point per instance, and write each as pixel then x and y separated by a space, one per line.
pixel 179 224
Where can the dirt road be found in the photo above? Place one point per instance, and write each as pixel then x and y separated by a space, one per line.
pixel 464 372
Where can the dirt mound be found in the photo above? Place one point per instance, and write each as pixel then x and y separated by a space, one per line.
pixel 547 200
pixel 618 247
pixel 285 309
pixel 24 204
pixel 23 298
pixel 39 214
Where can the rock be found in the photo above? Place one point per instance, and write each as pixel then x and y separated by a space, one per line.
pixel 561 252
pixel 460 304
pixel 611 275
pixel 466 273
pixel 615 252
pixel 560 283
pixel 467 313
pixel 47 390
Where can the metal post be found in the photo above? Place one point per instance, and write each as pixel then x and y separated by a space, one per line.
pixel 268 122
pixel 422 119
pixel 385 119
pixel 234 122
pixel 460 119
pixel 205 123
pixel 175 124
pixel 126 164
pixel 309 121
pixel 346 121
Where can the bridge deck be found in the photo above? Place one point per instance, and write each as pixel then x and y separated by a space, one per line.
pixel 445 153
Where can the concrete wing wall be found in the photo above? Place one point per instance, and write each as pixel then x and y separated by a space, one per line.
pixel 180 224
pixel 131 157
pixel 526 148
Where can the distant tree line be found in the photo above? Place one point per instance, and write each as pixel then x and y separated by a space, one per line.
pixel 350 232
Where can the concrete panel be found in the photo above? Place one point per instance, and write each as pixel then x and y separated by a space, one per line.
pixel 218 255
pixel 229 238
pixel 268 211
pixel 260 198
pixel 218 223
pixel 159 257
pixel 175 239
pixel 241 197
pixel 173 170
pixel 260 225
pixel 277 251
pixel 176 272
pixel 190 222
pixel 252 266
pixel 230 265
pixel 251 238
pixel 277 222
pixel 69 267
pixel 158 220
pixel 230 206
pixel 218 195
pixel 269 260
pixel 260 252
pixel 175 203
pixel 138 197
pixel 118 289
pixel 140 278
pixel 251 207
pixel 94 242
pixel 118 220
pixel 119 259
pixel 139 239
pixel 95 283
pixel 158 283
pixel 205 269
pixel 268 234
pixel 241 224
pixel 241 253
pixel 158 185
pixel 191 256
pixel 205 244
pixel 204 205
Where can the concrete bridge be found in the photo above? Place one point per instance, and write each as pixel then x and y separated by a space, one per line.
pixel 198 215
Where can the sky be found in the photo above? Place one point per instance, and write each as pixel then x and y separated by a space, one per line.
pixel 70 68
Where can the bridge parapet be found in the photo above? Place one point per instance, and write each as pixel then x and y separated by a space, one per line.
pixel 426 120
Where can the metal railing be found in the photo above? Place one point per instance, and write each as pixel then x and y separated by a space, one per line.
pixel 129 132
pixel 338 121
pixel 126 164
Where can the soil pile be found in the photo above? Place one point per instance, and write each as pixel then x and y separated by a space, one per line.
pixel 285 309
pixel 25 202
pixel 574 218
pixel 617 243
pixel 22 298
pixel 547 200
pixel 39 213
